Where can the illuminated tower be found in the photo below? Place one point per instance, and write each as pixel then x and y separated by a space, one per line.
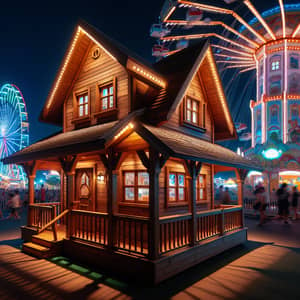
pixel 268 44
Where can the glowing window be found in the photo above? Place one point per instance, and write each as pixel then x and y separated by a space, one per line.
pixel 275 65
pixel 84 186
pixel 194 112
pixel 176 187
pixel 107 97
pixel 83 105
pixel 136 186
pixel 201 187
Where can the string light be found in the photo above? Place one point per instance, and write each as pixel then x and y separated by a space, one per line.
pixel 129 126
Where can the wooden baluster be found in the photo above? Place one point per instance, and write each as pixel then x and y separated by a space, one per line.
pixel 142 237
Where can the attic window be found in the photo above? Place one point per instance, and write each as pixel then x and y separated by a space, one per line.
pixel 194 112
pixel 107 98
pixel 83 105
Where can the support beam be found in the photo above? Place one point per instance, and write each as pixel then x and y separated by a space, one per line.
pixel 154 232
pixel 68 164
pixel 193 168
pixel 110 162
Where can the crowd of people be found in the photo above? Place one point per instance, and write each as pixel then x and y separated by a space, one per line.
pixel 15 200
pixel 285 200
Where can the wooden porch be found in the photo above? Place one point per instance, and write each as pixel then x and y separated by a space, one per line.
pixel 77 231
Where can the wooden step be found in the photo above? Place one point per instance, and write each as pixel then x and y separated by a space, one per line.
pixel 36 250
pixel 40 240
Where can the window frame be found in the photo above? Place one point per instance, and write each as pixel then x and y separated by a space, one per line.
pixel 204 188
pixel 136 187
pixel 99 87
pixel 201 114
pixel 177 202
pixel 76 95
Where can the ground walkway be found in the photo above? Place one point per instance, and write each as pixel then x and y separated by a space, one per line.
pixel 266 267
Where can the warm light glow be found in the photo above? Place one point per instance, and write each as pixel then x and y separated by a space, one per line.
pixel 232 50
pixel 252 124
pixel 62 71
pixel 129 126
pixel 296 31
pixel 289 173
pixel 215 9
pixel 205 35
pixel 254 173
pixel 285 104
pixel 259 17
pixel 282 17
pixel 212 23
pixel 220 91
pixel 136 68
pixel 247 69
pixel 68 57
pixel 233 57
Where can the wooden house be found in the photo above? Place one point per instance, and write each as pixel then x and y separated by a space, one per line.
pixel 137 158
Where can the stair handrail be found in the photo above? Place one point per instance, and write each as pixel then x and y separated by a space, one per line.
pixel 53 223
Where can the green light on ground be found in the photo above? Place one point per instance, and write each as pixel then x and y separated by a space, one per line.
pixel 79 269
pixel 115 283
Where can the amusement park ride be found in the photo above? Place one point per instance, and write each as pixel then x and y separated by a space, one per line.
pixel 14 134
pixel 268 44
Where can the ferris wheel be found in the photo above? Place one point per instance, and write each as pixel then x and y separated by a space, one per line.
pixel 14 130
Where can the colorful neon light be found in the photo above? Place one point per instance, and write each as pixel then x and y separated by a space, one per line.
pixel 271 153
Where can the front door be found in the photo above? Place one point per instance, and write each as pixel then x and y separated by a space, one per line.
pixel 84 189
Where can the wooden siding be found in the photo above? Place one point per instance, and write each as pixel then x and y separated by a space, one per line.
pixel 96 72
pixel 195 90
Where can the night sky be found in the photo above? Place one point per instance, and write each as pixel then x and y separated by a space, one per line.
pixel 34 37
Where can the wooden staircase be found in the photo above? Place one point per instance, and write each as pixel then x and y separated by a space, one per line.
pixel 44 246
pixel 47 243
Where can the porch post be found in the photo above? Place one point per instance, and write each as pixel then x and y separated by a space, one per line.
pixel 31 179
pixel 70 189
pixel 242 174
pixel 194 170
pixel 111 161
pixel 30 170
pixel 68 164
pixel 154 232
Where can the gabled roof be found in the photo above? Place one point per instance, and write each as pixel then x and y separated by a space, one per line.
pixel 179 70
pixel 83 37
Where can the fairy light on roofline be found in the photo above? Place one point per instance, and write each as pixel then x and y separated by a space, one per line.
pixel 126 128
pixel 296 31
pixel 68 57
pixel 219 88
pixel 138 69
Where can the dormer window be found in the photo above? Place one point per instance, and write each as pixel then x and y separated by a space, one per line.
pixel 83 105
pixel 194 112
pixel 107 97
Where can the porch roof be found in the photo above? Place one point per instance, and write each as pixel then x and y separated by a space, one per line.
pixel 180 145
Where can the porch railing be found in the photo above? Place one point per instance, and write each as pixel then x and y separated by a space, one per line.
pixel 88 226
pixel 131 233
pixel 40 215
pixel 233 219
pixel 174 232
pixel 209 224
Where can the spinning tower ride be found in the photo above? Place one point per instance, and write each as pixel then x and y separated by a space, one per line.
pixel 269 44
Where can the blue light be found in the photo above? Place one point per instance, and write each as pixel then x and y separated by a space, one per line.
pixel 272 11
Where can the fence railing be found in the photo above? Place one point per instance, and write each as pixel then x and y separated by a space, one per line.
pixel 131 233
pixel 208 224
pixel 40 215
pixel 272 205
pixel 88 226
pixel 174 232
pixel 233 219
